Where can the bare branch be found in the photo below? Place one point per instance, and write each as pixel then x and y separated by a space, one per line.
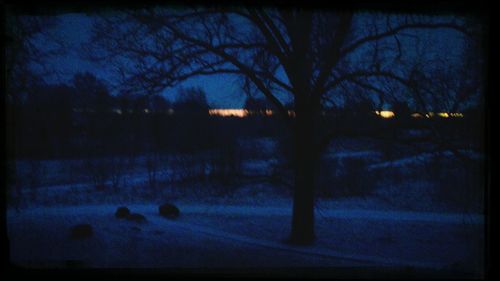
pixel 398 29
pixel 238 64
pixel 334 54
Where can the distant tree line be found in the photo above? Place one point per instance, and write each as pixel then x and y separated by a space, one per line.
pixel 82 118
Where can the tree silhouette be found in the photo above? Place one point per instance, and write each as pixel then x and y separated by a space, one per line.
pixel 257 106
pixel 22 56
pixel 191 106
pixel 91 93
pixel 25 56
pixel 192 100
pixel 311 55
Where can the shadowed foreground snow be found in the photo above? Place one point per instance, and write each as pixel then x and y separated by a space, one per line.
pixel 208 236
pixel 401 223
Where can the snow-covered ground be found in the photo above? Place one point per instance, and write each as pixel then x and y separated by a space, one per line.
pixel 421 159
pixel 399 224
pixel 39 236
pixel 243 236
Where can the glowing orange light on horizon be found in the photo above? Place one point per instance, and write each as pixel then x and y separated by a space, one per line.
pixel 228 112
pixel 385 113
pixel 456 114
pixel 440 114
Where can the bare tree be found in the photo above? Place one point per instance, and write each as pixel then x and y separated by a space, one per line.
pixel 313 56
pixel 436 85
pixel 22 56
pixel 29 44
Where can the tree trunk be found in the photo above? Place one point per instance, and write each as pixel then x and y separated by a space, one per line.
pixel 304 173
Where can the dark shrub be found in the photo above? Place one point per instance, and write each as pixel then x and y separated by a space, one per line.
pixel 81 231
pixel 106 172
pixel 356 180
pixel 346 178
pixel 136 217
pixel 169 211
pixel 73 264
pixel 460 185
pixel 100 187
pixel 135 228
pixel 122 212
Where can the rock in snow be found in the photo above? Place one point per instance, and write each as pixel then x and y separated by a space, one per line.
pixel 136 217
pixel 122 212
pixel 169 211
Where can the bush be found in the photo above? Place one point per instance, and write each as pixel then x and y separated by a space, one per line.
pixel 136 229
pixel 187 167
pixel 81 231
pixel 34 176
pixel 356 179
pixel 461 185
pixel 152 166
pixel 345 178
pixel 226 163
pixel 169 211
pixel 102 170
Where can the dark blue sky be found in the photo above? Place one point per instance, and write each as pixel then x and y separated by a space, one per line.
pixel 223 91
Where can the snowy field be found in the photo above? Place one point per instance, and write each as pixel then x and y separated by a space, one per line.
pixel 399 225
pixel 243 236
